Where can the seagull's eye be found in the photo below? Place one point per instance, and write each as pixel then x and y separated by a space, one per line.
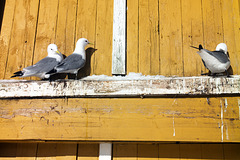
pixel 86 41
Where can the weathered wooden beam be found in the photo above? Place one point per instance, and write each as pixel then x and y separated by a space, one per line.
pixel 121 119
pixel 184 86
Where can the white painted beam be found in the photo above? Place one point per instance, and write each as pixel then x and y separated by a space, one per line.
pixel 105 151
pixel 119 38
pixel 171 86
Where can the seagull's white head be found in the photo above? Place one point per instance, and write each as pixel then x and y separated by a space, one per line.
pixel 54 52
pixel 222 47
pixel 80 45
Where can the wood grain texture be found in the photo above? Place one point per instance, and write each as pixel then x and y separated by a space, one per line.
pixel 168 87
pixel 125 151
pixel 46 29
pixel 124 119
pixel 169 151
pixel 148 37
pixel 88 151
pixel 5 37
pixel 22 37
pixel 132 36
pixel 171 59
pixel 104 30
pixel 192 31
pixel 56 151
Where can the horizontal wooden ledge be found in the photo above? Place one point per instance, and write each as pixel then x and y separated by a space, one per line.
pixel 168 86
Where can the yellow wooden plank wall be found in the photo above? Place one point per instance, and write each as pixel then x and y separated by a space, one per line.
pixel 121 151
pixel 29 26
pixel 160 32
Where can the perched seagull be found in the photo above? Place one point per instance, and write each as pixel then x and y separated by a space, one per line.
pixel 75 61
pixel 215 61
pixel 43 66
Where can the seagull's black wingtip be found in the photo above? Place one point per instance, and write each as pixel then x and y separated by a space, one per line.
pixel 17 74
pixel 199 48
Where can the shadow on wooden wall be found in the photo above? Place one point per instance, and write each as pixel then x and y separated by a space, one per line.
pixel 2 6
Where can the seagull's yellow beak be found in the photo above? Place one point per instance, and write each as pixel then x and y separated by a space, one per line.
pixel 90 43
pixel 58 52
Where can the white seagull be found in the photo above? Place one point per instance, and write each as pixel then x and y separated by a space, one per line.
pixel 73 62
pixel 43 66
pixel 216 61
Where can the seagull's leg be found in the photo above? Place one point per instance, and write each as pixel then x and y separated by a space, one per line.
pixel 76 76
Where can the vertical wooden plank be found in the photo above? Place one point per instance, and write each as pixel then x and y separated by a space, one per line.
pixel 231 151
pixel 170 38
pixel 22 37
pixel 5 36
pixel 192 35
pixel 86 27
pixel 190 151
pixel 105 151
pixel 212 23
pixel 66 23
pixel 169 151
pixel 20 151
pixel 212 151
pixel 132 36
pixel 103 55
pixel 148 37
pixel 148 152
pixel 56 151
pixel 119 37
pixel 88 151
pixel 46 28
pixel 125 151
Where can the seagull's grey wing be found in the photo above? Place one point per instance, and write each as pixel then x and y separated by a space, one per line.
pixel 74 61
pixel 220 55
pixel 42 66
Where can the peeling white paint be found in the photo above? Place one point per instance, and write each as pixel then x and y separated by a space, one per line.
pixel 239 108
pixel 222 125
pixel 174 131
pixel 226 105
pixel 123 87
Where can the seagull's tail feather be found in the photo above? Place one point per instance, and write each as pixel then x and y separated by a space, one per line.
pixel 17 74
pixel 199 48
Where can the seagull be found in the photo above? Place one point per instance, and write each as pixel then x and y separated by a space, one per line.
pixel 43 66
pixel 216 61
pixel 73 62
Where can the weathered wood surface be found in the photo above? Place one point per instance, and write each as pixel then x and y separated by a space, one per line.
pixel 184 86
pixel 121 119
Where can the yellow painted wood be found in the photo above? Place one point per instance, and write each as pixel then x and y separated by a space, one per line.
pixel 231 151
pixel 164 119
pixel 125 151
pixel 132 36
pixel 148 37
pixel 86 27
pixel 19 151
pixel 5 36
pixel 212 151
pixel 56 151
pixel 190 151
pixel 104 29
pixel 212 24
pixel 66 23
pixel 147 152
pixel 192 36
pixel 171 59
pixel 169 152
pixel 88 151
pixel 22 37
pixel 46 29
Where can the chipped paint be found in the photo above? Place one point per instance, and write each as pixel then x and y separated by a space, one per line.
pixel 222 125
pixel 189 86
pixel 174 131
pixel 226 105
pixel 239 108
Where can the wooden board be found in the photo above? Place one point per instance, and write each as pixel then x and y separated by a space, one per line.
pixel 132 36
pixel 171 59
pixel 125 151
pixel 22 36
pixel 88 151
pixel 104 30
pixel 149 37
pixel 124 119
pixel 171 87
